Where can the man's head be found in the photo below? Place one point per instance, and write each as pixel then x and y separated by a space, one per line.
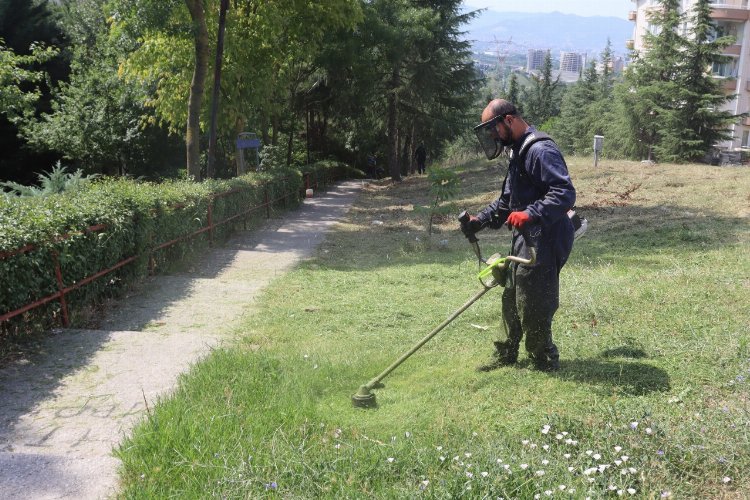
pixel 501 126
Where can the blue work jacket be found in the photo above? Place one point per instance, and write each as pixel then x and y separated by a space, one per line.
pixel 541 186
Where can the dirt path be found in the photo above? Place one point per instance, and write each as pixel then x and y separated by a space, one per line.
pixel 63 410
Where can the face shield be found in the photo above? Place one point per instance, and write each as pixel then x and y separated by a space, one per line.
pixel 488 138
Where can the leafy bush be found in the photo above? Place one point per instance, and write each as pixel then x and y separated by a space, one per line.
pixel 105 222
pixel 55 182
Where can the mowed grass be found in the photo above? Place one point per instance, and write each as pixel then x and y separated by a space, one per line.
pixel 652 400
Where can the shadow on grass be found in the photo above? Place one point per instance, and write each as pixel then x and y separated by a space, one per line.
pixel 628 377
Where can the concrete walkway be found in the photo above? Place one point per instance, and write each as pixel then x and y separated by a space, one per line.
pixel 63 410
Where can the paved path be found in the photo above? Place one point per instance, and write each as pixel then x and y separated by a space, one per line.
pixel 64 409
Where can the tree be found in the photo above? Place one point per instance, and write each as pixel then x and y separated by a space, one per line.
pixel 266 42
pixel 652 79
pixel 543 100
pixel 25 27
pixel 19 82
pixel 573 130
pixel 402 77
pixel 98 122
pixel 197 85
pixel 697 122
pixel 514 92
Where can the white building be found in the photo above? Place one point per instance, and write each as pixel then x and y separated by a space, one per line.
pixel 572 62
pixel 535 59
pixel 732 17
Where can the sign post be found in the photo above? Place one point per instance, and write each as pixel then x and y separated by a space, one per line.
pixel 246 140
pixel 598 144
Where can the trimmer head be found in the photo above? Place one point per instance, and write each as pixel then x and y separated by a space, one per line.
pixel 364 398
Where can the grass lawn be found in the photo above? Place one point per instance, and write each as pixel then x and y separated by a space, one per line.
pixel 652 400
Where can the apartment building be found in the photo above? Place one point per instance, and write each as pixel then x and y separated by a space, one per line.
pixel 535 59
pixel 732 17
pixel 572 62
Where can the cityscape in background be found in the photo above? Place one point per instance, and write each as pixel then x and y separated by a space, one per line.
pixel 498 53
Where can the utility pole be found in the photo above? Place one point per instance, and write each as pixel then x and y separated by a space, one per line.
pixel 217 86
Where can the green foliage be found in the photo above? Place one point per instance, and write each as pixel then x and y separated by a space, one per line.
pixel 407 61
pixel 272 157
pixel 444 186
pixel 137 217
pixel 542 99
pixel 19 90
pixel 268 48
pixel 672 102
pixel 55 182
pixel 98 121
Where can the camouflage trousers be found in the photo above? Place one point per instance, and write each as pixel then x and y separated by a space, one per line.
pixel 529 303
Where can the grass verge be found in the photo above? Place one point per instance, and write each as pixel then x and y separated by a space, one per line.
pixel 652 399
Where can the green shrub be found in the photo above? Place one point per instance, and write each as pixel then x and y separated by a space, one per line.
pixel 107 221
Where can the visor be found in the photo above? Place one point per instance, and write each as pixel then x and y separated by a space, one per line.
pixel 488 138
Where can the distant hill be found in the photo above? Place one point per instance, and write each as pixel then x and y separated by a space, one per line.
pixel 554 30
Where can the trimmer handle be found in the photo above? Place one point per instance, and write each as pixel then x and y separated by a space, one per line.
pixel 463 219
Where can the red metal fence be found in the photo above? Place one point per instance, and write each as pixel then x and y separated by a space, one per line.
pixel 63 290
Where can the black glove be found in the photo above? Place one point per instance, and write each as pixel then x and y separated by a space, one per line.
pixel 470 224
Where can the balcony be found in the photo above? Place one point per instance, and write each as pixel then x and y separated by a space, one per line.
pixel 630 44
pixel 746 121
pixel 632 15
pixel 730 10
pixel 732 50
pixel 729 84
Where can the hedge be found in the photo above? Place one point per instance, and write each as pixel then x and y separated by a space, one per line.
pixel 129 219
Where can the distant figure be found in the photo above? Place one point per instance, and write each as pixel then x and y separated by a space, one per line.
pixel 420 155
pixel 373 170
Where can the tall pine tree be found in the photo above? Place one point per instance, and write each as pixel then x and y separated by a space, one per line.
pixel 697 122
pixel 652 80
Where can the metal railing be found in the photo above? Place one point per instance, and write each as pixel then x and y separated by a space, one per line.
pixel 64 289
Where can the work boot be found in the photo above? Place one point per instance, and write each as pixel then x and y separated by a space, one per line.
pixel 548 361
pixel 505 354
pixel 547 365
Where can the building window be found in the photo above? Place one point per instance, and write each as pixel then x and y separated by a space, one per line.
pixel 725 69
pixel 745 139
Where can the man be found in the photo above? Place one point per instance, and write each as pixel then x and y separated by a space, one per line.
pixel 535 198
pixel 421 156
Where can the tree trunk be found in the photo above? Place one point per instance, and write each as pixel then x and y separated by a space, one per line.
pixel 210 169
pixel 264 128
pixel 275 129
pixel 197 86
pixel 290 144
pixel 412 148
pixel 393 166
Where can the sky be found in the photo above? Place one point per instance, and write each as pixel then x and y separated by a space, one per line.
pixel 614 8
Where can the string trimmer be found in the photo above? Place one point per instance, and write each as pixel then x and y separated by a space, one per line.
pixel 491 276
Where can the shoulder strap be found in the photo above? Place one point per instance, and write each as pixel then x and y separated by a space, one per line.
pixel 532 138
